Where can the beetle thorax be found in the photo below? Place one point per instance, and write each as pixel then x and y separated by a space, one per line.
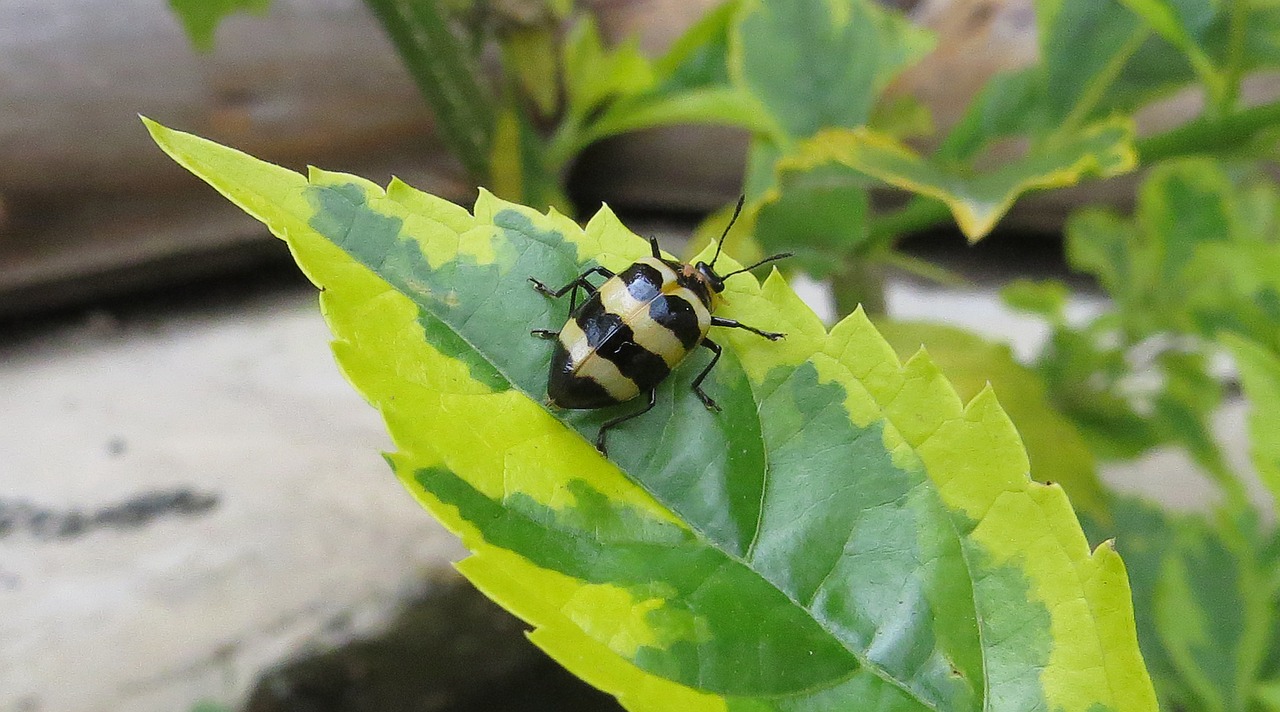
pixel 702 281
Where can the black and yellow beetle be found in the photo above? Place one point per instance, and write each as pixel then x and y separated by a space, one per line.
pixel 635 328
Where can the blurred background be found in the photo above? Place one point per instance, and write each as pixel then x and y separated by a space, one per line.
pixel 194 514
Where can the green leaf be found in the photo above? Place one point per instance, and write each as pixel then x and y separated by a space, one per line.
pixel 1214 615
pixel 901 117
pixel 200 18
pixel 1007 105
pixel 1260 377
pixel 845 532
pixel 977 200
pixel 691 86
pixel 1085 47
pixel 1145 535
pixel 1047 299
pixel 1199 256
pixel 593 74
pixel 791 54
pixel 1057 453
pixel 517 165
pixel 1103 244
pixel 531 57
pixel 820 215
pixel 1145 264
pixel 1267 695
pixel 1180 24
pixel 1203 613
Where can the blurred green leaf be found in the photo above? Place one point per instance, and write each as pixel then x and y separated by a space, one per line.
pixel 820 215
pixel 1237 291
pixel 1183 407
pixel 1267 695
pixel 593 74
pixel 1101 243
pixel 1046 298
pixel 1057 452
pixel 903 116
pixel 1100 58
pixel 1200 255
pixel 793 55
pixel 200 18
pixel 531 57
pixel 1213 614
pixel 1084 47
pixel 690 85
pixel 1084 371
pixel 1007 105
pixel 1260 377
pixel 977 200
pixel 517 163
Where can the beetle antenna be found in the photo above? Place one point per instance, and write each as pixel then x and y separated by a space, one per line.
pixel 773 258
pixel 736 210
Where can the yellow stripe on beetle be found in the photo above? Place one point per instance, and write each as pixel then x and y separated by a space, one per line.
pixel 634 329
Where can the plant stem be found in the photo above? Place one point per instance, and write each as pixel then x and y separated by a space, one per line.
pixel 1209 134
pixel 446 76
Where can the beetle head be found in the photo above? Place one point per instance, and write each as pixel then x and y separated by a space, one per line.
pixel 707 272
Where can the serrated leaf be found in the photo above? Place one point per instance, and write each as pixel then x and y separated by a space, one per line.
pixel 200 18
pixel 971 363
pixel 977 200
pixel 1260 377
pixel 845 532
pixel 790 55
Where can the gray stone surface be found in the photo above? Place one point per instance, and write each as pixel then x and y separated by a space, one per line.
pixel 189 500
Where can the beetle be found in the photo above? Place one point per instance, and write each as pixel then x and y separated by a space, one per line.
pixel 635 328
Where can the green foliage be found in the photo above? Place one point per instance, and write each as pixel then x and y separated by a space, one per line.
pixel 1192 274
pixel 1057 453
pixel 977 200
pixel 1205 609
pixel 1260 376
pixel 200 18
pixel 791 55
pixel 845 532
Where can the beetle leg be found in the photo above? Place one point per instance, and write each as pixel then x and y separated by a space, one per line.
pixel 697 382
pixel 545 333
pixel 770 335
pixel 579 282
pixel 653 246
pixel 653 399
